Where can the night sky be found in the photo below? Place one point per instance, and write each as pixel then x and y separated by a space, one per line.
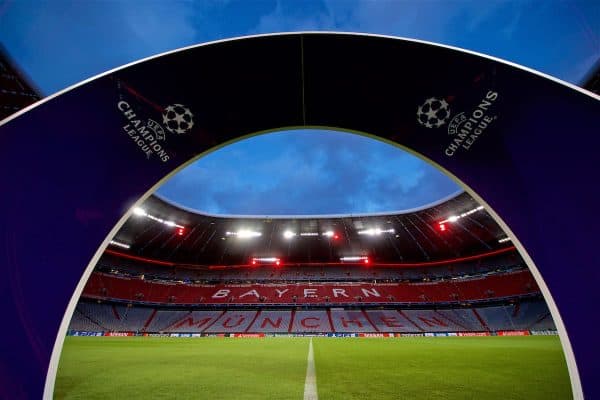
pixel 58 43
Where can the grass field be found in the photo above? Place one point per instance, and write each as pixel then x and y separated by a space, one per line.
pixel 346 368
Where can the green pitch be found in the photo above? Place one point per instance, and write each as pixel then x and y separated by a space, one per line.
pixel 346 368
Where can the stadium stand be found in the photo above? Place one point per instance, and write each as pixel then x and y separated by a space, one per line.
pixel 528 316
pixel 233 321
pixel 464 318
pixel 271 321
pixel 507 285
pixel 81 322
pixel 307 273
pixel 531 316
pixel 164 319
pixel 434 321
pixel 313 321
pixel 417 278
pixel 101 317
pixel 350 321
pixel 193 322
pixel 390 321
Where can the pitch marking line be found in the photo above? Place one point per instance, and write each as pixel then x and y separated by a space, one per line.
pixel 310 384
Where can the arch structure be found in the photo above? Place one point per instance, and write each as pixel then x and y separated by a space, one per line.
pixel 73 165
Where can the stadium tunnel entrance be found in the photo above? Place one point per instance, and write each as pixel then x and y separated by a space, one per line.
pixel 473 116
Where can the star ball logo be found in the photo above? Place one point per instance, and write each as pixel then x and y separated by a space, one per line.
pixel 433 113
pixel 465 127
pixel 178 119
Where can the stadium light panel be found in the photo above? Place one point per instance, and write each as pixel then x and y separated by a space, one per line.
pixel 363 259
pixel 309 234
pixel 139 212
pixel 375 231
pixel 454 218
pixel 503 240
pixel 265 260
pixel 119 244
pixel 288 234
pixel 244 234
pixel 328 233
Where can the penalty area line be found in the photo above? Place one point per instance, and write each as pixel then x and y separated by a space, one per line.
pixel 310 384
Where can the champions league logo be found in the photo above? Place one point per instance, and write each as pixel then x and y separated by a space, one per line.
pixel 149 135
pixel 465 127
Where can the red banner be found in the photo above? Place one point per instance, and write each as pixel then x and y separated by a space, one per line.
pixel 249 335
pixel 473 334
pixel 513 333
pixel 134 289
pixel 118 333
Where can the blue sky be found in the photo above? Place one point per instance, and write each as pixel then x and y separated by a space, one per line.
pixel 59 43
pixel 309 172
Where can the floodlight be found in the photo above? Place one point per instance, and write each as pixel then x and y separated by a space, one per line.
pixel 119 244
pixel 139 211
pixel 364 259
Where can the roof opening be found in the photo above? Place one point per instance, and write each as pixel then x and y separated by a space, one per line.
pixel 307 172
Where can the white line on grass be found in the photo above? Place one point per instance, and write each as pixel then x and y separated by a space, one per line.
pixel 310 384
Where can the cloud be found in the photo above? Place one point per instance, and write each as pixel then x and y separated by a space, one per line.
pixel 310 173
pixel 159 26
pixel 293 16
pixel 61 43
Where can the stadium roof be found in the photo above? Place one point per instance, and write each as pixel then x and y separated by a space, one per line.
pixel 456 227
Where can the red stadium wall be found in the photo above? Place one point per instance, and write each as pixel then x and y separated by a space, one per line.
pixel 132 289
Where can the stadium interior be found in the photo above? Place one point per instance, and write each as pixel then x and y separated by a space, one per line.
pixel 445 268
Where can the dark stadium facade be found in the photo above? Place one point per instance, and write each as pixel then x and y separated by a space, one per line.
pixel 16 90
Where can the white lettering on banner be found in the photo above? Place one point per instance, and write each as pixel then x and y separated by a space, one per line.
pixel 191 322
pixel 304 324
pixel 434 321
pixel 237 323
pixel 391 322
pixel 372 292
pixel 221 293
pixel 308 293
pixel 249 293
pixel 273 324
pixel 341 292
